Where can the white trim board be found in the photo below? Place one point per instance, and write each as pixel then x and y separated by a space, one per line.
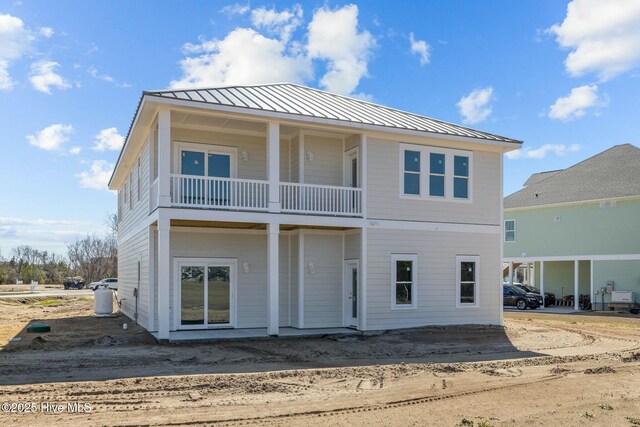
pixel 433 226
pixel 617 257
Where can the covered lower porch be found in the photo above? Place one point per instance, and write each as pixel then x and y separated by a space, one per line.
pixel 225 280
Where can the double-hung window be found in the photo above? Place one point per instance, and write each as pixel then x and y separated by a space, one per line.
pixel 510 230
pixel 467 275
pixel 434 173
pixel 404 277
pixel 412 173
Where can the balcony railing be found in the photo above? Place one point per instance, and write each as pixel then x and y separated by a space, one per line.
pixel 253 195
pixel 219 193
pixel 320 199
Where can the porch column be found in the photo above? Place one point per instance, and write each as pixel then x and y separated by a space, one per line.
pixel 164 279
pixel 164 158
pixel 576 288
pixel 542 281
pixel 362 277
pixel 273 165
pixel 510 273
pixel 273 231
pixel 591 295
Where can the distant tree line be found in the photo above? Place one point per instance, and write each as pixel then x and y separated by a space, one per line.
pixel 93 258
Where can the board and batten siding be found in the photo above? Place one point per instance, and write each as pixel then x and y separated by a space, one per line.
pixel 323 290
pixel 385 202
pixel 134 250
pixel 436 286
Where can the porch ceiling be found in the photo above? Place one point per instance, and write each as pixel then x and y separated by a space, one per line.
pixel 246 225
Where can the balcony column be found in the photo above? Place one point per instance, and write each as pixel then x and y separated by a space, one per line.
pixel 164 279
pixel 164 158
pixel 273 165
pixel 576 285
pixel 273 255
pixel 542 281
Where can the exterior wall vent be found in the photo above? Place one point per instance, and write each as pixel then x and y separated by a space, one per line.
pixel 556 219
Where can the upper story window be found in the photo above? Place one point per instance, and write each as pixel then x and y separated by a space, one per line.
pixel 435 173
pixel 412 172
pixel 510 230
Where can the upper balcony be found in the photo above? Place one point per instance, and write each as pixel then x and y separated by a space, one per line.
pixel 239 165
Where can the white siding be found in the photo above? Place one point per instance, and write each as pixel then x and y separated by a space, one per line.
pixel 436 286
pixel 295 159
pixel 132 218
pixel 250 248
pixel 352 245
pixel 323 295
pixel 130 252
pixel 384 201
pixel 295 246
pixel 351 141
pixel 283 290
pixel 326 167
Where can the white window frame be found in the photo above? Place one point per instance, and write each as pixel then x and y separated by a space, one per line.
pixel 505 230
pixel 414 282
pixel 459 260
pixel 131 190
pixel 207 149
pixel 139 181
pixel 425 172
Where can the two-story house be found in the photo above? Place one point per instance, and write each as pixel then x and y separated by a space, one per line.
pixel 577 230
pixel 265 208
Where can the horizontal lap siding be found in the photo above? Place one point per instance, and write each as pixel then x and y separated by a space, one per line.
pixel 251 286
pixel 294 280
pixel 129 253
pixel 132 218
pixel 352 246
pixel 283 270
pixel 436 287
pixel 383 196
pixel 326 167
pixel 295 160
pixel 323 295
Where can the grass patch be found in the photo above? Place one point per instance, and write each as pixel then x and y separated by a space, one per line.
pixel 605 406
pixel 50 302
pixel 634 421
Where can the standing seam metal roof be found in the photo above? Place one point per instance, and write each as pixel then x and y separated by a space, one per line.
pixel 300 100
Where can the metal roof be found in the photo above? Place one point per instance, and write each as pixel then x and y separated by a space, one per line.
pixel 300 100
pixel 611 174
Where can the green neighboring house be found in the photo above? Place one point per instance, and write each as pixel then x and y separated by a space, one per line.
pixel 576 230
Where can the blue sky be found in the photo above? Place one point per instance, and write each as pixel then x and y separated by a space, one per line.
pixel 563 77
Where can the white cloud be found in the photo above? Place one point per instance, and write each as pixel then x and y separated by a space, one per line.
pixel 541 152
pixel 47 32
pixel 282 23
pixel 108 139
pixel 43 77
pixel 93 72
pixel 575 104
pixel 7 221
pixel 236 9
pixel 242 57
pixel 334 36
pixel 475 107
pixel 15 41
pixel 420 48
pixel 75 150
pixel 98 175
pixel 52 137
pixel 603 36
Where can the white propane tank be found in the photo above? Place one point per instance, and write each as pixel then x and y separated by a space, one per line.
pixel 103 301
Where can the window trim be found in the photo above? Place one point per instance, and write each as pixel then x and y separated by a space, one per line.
pixel 505 231
pixel 425 172
pixel 131 190
pixel 414 282
pixel 419 173
pixel 207 149
pixel 459 260
pixel 139 182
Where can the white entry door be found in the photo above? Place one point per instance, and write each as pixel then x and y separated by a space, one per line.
pixel 205 291
pixel 351 280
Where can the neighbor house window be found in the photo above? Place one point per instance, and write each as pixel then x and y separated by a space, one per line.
pixel 461 177
pixel 434 173
pixel 510 230
pixel 412 172
pixel 403 284
pixel 467 273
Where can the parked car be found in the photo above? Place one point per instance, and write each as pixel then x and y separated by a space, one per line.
pixel 110 282
pixel 549 298
pixel 73 283
pixel 513 296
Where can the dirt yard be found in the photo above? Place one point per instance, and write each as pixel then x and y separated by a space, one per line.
pixel 541 369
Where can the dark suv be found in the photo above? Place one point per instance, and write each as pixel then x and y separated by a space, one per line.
pixel 516 297
pixel 73 283
pixel 549 298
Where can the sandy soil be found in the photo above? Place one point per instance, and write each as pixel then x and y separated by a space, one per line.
pixel 541 369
